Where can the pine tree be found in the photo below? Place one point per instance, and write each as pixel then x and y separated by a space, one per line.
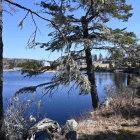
pixel 100 57
pixel 80 26
pixel 95 57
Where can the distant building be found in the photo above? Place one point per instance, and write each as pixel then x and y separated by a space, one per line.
pixel 17 69
pixel 83 61
pixel 46 63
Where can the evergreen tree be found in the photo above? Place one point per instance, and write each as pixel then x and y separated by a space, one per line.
pixel 132 58
pixel 82 25
pixel 100 57
pixel 95 57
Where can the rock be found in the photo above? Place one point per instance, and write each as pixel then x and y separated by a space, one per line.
pixel 32 137
pixel 71 135
pixel 71 125
pixel 92 113
pixel 106 102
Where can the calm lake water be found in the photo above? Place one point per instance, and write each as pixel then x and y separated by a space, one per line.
pixel 60 106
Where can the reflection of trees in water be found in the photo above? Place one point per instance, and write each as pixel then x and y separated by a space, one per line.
pixel 110 82
pixel 103 77
pixel 119 80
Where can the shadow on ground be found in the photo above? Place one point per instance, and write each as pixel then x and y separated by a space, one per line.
pixel 126 133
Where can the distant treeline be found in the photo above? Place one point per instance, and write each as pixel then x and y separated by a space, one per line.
pixel 15 62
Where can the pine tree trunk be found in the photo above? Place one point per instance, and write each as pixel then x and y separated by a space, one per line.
pixel 90 68
pixel 2 135
pixel 91 77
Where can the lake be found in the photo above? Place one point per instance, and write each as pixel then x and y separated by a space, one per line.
pixel 60 106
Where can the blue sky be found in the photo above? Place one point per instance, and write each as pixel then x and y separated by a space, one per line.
pixel 15 39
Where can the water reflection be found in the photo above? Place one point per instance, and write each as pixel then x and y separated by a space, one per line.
pixel 117 80
pixel 61 106
pixel 120 80
pixel 107 81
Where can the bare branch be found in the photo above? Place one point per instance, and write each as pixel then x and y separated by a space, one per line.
pixel 89 8
pixel 7 12
pixel 21 22
pixel 46 19
pixel 27 9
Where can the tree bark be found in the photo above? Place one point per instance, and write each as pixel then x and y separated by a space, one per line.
pixel 2 134
pixel 1 45
pixel 90 67
pixel 91 78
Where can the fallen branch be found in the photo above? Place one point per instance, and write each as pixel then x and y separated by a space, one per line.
pixel 54 130
pixel 48 125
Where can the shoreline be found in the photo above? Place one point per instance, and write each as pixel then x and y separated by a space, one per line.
pixel 109 123
pixel 11 70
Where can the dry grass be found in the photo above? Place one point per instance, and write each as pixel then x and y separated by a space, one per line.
pixel 116 122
